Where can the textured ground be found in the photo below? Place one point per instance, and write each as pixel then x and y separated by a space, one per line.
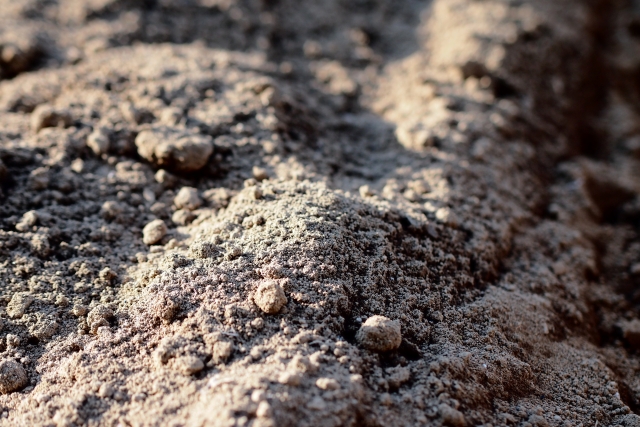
pixel 207 205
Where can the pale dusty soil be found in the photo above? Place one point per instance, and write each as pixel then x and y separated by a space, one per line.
pixel 336 213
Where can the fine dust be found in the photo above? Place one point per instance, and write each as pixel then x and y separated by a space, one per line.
pixel 339 213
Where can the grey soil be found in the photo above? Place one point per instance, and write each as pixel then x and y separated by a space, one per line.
pixel 302 213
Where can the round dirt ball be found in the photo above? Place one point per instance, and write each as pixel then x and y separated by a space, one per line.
pixel 379 334
pixel 270 297
pixel 12 376
pixel 153 232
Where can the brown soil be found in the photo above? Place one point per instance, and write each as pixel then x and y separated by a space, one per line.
pixel 337 213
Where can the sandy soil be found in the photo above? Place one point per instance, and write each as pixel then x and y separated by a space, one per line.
pixel 337 213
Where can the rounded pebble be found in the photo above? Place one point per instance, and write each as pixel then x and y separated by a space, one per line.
pixel 270 297
pixel 178 150
pixel 153 232
pixel 327 384
pixel 380 334
pixel 187 198
pixel 190 365
pixel 98 141
pixel 45 116
pixel 12 376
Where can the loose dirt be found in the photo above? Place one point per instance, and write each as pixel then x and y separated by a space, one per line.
pixel 338 213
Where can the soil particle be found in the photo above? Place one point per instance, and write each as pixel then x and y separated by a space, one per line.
pixel 154 231
pixel 187 198
pixel 99 316
pixel 450 416
pixel 28 220
pixel 98 141
pixel 467 169
pixel 13 377
pixel 46 116
pixel 179 150
pixel 189 365
pixel 379 333
pixel 270 297
pixel 327 384
pixel 19 304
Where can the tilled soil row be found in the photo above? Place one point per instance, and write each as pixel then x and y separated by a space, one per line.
pixel 356 213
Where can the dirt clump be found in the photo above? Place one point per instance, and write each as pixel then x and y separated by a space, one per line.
pixel 12 376
pixel 379 333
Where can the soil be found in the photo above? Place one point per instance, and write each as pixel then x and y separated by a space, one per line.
pixel 337 213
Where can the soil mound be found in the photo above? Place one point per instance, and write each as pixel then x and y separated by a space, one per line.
pixel 276 213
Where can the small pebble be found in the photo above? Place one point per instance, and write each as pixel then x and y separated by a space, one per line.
pixel 452 417
pixel 166 178
pixel 380 334
pixel 259 174
pixel 290 378
pixel 77 165
pixel 165 309
pixel 221 351
pixel 264 410
pixel 45 116
pixel 167 147
pixel 182 217
pixel 98 141
pixel 327 384
pixel 258 396
pixel 111 209
pixel 28 220
pixel 106 390
pixel 365 191
pixel 79 309
pixel 187 198
pixel 153 232
pixel 270 297
pixel 139 397
pixel 149 195
pixel 18 305
pixel 190 365
pixel 12 376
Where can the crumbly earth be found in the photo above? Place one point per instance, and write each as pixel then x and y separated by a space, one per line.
pixel 337 213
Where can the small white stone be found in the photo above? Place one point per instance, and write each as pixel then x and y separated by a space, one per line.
pixel 270 297
pixel 365 191
pixel 258 396
pixel 264 410
pixel 290 378
pixel 380 334
pixel 98 141
pixel 29 219
pixel 190 365
pixel 154 232
pixel 327 384
pixel 187 198
pixel 259 174
pixel 77 165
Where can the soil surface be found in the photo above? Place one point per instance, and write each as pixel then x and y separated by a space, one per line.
pixel 337 213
